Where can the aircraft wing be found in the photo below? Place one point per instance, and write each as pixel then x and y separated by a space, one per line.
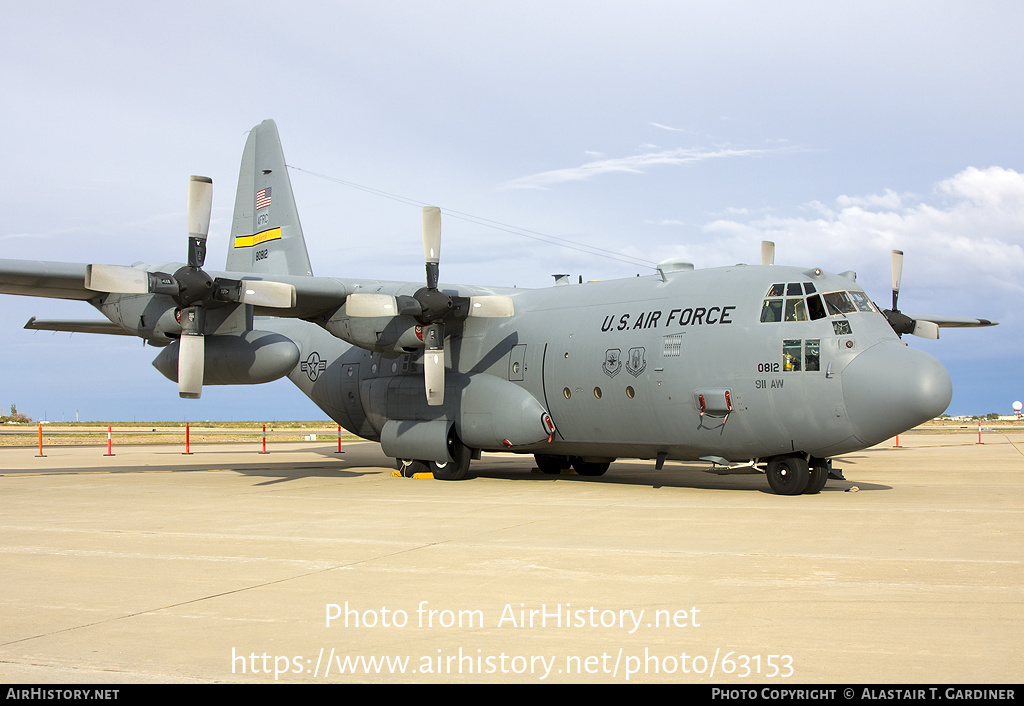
pixel 35 278
pixel 953 321
pixel 66 280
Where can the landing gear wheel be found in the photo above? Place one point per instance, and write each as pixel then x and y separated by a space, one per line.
pixel 589 468
pixel 552 464
pixel 818 475
pixel 457 469
pixel 788 476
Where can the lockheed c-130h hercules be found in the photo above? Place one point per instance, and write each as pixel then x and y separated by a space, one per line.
pixel 766 367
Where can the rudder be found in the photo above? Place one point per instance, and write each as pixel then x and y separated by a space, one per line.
pixel 266 236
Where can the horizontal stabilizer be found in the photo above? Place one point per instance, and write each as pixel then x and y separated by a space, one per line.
pixel 76 326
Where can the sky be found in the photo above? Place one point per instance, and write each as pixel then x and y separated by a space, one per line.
pixel 650 130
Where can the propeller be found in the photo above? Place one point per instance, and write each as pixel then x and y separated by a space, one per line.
pixel 430 307
pixel 901 323
pixel 897 276
pixel 435 306
pixel 767 252
pixel 191 288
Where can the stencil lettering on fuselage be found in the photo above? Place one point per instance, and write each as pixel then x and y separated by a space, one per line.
pixel 690 316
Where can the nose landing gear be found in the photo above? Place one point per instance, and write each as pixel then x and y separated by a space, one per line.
pixel 794 475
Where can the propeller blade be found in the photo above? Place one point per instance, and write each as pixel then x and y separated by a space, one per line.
pixel 491 307
pixel 432 243
pixel 433 364
pixel 200 205
pixel 191 352
pixel 365 304
pixel 277 295
pixel 255 292
pixel 191 363
pixel 767 252
pixel 433 376
pixel 897 276
pixel 925 329
pixel 116 278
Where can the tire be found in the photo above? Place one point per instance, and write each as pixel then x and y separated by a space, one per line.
pixel 587 468
pixel 457 469
pixel 818 471
pixel 788 476
pixel 552 464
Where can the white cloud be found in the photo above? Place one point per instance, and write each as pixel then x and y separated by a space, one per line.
pixel 890 199
pixel 970 234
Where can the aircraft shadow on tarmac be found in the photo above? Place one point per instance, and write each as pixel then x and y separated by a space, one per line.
pixel 691 477
pixel 697 476
pixel 367 460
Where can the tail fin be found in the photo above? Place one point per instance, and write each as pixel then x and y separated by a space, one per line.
pixel 266 236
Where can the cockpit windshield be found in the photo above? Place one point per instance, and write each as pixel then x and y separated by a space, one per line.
pixel 799 301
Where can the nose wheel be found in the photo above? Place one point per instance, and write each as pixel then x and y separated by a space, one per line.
pixel 794 475
pixel 788 476
pixel 819 469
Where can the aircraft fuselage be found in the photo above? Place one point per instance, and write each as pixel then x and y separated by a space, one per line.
pixel 693 364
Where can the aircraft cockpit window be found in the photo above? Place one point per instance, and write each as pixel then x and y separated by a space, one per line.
pixel 793 361
pixel 815 308
pixel 791 354
pixel 839 303
pixel 771 311
pixel 781 303
pixel 812 354
pixel 862 301
pixel 842 328
pixel 795 309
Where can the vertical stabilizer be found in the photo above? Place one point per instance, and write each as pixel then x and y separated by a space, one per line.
pixel 266 236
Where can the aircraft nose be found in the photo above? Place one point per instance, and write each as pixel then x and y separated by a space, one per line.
pixel 890 388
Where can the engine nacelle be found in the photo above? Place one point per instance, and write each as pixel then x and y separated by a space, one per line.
pixel 248 358
pixel 389 336
pixel 146 315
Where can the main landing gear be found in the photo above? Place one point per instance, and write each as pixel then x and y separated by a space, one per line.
pixel 457 469
pixel 794 475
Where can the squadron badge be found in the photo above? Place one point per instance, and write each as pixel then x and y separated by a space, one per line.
pixel 612 362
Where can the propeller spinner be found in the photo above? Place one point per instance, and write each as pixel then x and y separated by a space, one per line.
pixel 430 307
pixel 191 288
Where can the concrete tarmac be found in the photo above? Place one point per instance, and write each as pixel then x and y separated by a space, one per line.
pixel 304 565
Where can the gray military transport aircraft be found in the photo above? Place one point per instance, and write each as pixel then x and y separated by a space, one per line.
pixel 758 367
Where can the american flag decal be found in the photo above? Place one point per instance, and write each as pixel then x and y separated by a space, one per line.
pixel 262 198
